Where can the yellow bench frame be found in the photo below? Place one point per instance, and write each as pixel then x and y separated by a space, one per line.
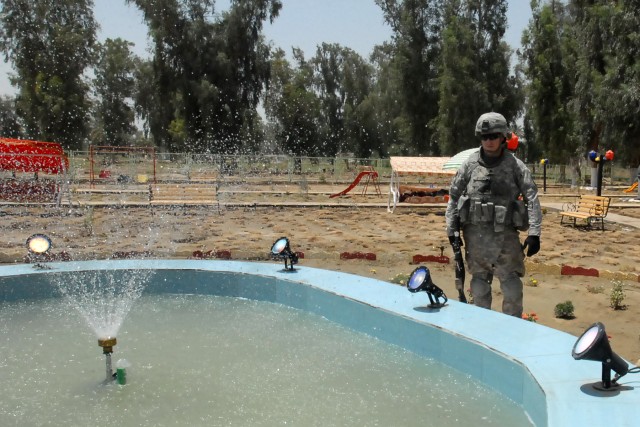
pixel 588 207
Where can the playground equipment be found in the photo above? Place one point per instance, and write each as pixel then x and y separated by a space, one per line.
pixel 417 166
pixel 371 176
pixel 28 156
pixel 23 155
pixel 544 163
pixel 631 189
pixel 122 164
pixel 599 160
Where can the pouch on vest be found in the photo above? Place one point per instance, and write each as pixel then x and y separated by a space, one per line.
pixel 520 215
pixel 482 213
pixel 463 209
pixel 499 219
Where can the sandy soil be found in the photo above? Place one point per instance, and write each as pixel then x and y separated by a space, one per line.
pixel 323 233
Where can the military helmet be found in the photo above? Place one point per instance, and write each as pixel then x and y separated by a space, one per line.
pixel 492 123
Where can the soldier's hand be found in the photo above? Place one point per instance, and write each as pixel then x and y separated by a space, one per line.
pixel 533 243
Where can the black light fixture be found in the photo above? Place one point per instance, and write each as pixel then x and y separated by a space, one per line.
pixel 282 250
pixel 593 344
pixel 420 280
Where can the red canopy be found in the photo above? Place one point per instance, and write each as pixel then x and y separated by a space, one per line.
pixel 23 155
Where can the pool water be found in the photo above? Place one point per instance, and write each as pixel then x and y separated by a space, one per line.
pixel 208 360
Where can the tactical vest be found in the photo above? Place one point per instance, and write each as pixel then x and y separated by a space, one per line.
pixel 492 195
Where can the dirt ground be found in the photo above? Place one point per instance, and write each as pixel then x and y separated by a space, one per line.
pixel 322 233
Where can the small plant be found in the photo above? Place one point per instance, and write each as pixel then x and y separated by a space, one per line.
pixel 87 223
pixel 616 299
pixel 400 279
pixel 595 289
pixel 564 310
pixel 531 317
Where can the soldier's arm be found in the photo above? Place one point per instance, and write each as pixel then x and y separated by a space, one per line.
pixel 529 192
pixel 458 184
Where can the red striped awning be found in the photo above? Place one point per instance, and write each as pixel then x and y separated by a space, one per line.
pixel 426 166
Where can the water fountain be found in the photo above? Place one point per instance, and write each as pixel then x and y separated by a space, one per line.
pixel 539 375
pixel 104 300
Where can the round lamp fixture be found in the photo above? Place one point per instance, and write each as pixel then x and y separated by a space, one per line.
pixel 593 344
pixel 38 244
pixel 420 280
pixel 282 250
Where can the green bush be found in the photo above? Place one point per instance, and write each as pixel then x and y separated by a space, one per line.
pixel 564 310
pixel 616 298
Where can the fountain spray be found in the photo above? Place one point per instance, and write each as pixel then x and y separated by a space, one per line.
pixel 107 348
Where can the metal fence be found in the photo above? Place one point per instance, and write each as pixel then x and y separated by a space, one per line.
pixel 187 167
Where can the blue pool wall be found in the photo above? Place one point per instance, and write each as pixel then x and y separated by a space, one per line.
pixel 529 363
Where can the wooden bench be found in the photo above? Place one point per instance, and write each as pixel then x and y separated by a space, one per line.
pixel 182 194
pixel 590 208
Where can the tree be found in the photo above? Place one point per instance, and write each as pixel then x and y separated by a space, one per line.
pixel 292 106
pixel 114 87
pixel 547 52
pixel 9 121
pixel 342 81
pixel 462 96
pixel 382 117
pixel 620 95
pixel 50 45
pixel 475 74
pixel 208 71
pixel 417 26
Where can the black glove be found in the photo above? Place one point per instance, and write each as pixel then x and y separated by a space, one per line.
pixel 533 242
pixel 452 240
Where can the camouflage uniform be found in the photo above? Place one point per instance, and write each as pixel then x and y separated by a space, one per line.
pixel 486 196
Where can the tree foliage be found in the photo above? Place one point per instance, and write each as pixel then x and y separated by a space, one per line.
pixel 214 84
pixel 292 107
pixel 10 126
pixel 417 26
pixel 547 50
pixel 50 44
pixel 584 92
pixel 114 87
pixel 475 75
pixel 208 71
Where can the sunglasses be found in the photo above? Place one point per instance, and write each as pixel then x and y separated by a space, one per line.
pixel 490 136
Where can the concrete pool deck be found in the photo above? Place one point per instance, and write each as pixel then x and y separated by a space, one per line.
pixel 529 363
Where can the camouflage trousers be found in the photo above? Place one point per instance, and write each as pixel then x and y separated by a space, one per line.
pixel 490 254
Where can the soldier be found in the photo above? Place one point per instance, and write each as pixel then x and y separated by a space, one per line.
pixel 494 196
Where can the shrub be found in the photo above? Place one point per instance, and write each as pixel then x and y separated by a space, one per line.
pixel 531 317
pixel 616 298
pixel 564 310
pixel 595 289
pixel 400 279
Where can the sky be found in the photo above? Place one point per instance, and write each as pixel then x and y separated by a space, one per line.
pixel 357 24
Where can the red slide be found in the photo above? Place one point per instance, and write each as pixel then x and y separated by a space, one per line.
pixel 355 182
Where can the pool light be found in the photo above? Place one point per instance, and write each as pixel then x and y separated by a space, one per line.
pixel 38 244
pixel 282 250
pixel 594 345
pixel 420 280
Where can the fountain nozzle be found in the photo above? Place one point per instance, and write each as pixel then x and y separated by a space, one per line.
pixel 107 344
pixel 107 348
